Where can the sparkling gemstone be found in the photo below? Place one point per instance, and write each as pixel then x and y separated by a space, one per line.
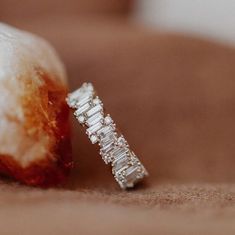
pixel 72 103
pixel 96 101
pixel 108 138
pixel 108 120
pixel 94 110
pixel 75 95
pixel 121 141
pixel 83 101
pixel 93 139
pixel 106 159
pixel 131 176
pixel 105 130
pixel 93 129
pixel 81 119
pixel 120 163
pixel 94 119
pixel 119 152
pixel 86 89
pixel 82 109
pixel 120 179
pixel 106 149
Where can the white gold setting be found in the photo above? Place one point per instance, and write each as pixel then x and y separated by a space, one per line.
pixel 101 129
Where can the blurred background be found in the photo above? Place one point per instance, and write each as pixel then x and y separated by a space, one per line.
pixel 208 18
pixel 168 66
pixel 214 19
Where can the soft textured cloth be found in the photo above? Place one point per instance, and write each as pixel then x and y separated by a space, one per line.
pixel 173 98
pixel 160 209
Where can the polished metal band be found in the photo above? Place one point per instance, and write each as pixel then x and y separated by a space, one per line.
pixel 101 129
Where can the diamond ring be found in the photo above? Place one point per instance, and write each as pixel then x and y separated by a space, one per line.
pixel 101 129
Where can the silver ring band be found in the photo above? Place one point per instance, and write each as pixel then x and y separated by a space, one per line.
pixel 114 149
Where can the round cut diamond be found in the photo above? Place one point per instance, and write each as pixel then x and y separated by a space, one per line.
pixel 121 141
pixel 108 120
pixel 81 119
pixel 96 101
pixel 93 139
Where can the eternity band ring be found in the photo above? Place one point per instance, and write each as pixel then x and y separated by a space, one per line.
pixel 101 129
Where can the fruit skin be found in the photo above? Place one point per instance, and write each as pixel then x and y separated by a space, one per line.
pixel 45 115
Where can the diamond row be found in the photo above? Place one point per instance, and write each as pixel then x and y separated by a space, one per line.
pixel 101 129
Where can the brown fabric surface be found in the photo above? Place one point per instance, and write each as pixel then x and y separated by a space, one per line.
pixel 173 98
pixel 161 209
pixel 30 9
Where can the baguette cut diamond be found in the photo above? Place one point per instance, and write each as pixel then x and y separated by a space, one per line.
pixel 83 101
pixel 82 109
pixel 93 129
pixel 105 152
pixel 108 138
pixel 120 163
pixel 105 131
pixel 76 96
pixel 132 174
pixel 98 117
pixel 101 129
pixel 95 109
pixel 119 152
